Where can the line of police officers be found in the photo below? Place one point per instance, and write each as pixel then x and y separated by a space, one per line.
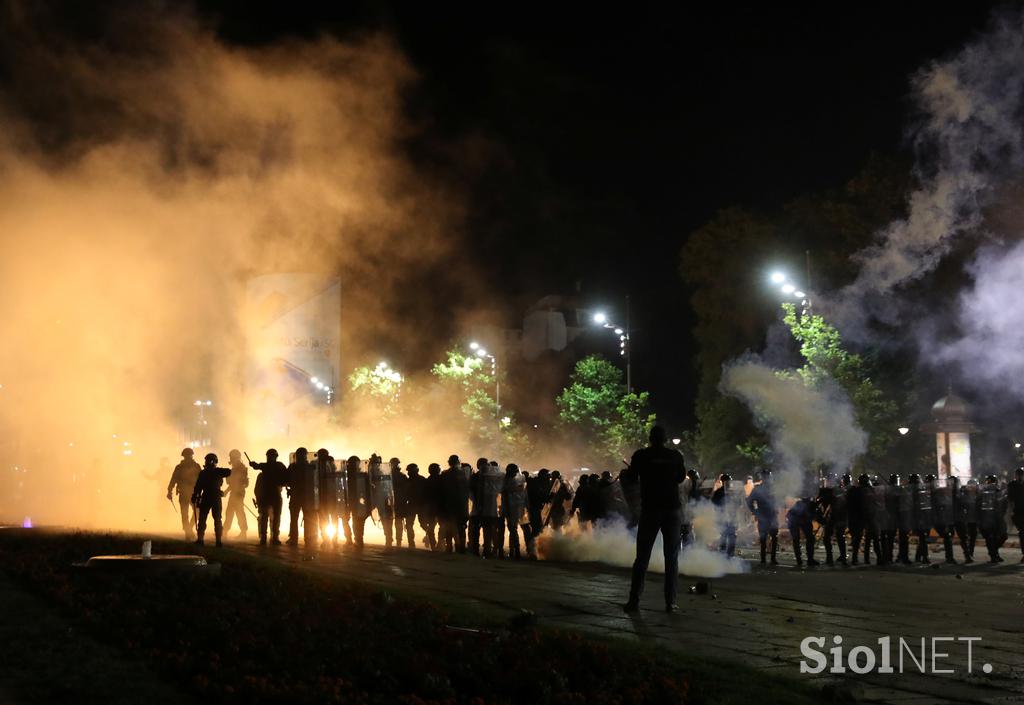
pixel 877 515
pixel 458 510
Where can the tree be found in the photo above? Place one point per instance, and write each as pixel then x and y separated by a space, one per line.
pixel 821 346
pixel 380 385
pixel 467 382
pixel 595 408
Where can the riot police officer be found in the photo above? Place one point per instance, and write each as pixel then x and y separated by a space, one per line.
pixel 943 511
pixel 430 506
pixel 454 505
pixel 237 484
pixel 489 484
pixel 921 501
pixel 407 501
pixel 903 508
pixel 183 481
pixel 885 523
pixel 304 483
pixel 967 518
pixel 357 506
pixel 206 497
pixel 382 496
pixel 762 505
pixel 1015 497
pixel 514 513
pixel 331 496
pixel 475 527
pixel 993 527
pixel 832 510
pixel 799 520
pixel 272 478
pixel 861 507
pixel 725 500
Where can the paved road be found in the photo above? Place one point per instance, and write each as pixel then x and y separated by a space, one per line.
pixel 759 618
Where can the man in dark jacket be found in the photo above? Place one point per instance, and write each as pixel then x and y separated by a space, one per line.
pixel 206 496
pixel 659 470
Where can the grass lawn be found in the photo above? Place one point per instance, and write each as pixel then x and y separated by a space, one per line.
pixel 267 632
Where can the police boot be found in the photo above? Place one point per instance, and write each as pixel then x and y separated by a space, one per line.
pixel 775 550
pixel 764 551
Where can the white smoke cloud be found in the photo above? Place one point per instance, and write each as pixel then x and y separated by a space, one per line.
pixel 989 351
pixel 807 426
pixel 968 138
pixel 613 543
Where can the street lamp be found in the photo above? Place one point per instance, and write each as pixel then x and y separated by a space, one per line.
pixel 482 353
pixel 625 348
pixel 903 430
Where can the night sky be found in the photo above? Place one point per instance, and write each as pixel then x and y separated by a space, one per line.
pixel 589 143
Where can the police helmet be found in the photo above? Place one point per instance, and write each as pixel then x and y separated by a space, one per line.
pixel 512 469
pixel 394 461
pixel 301 452
pixel 973 482
pixel 725 477
pixel 272 453
pixel 991 479
pixel 412 469
pixel 432 469
pixel 846 479
pixel 864 480
pixel 766 476
pixel 211 458
pixel 322 453
pixel 914 478
pixel 894 480
pixel 187 453
pixel 354 460
pixel 929 477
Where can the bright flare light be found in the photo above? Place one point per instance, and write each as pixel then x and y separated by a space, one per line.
pixel 788 288
pixel 474 345
pixel 599 317
pixel 778 277
pixel 799 294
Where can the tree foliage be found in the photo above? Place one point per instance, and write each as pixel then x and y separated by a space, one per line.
pixel 607 421
pixel 380 385
pixel 824 356
pixel 468 381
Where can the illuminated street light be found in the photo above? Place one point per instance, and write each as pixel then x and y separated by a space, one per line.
pixel 676 441
pixel 903 430
pixel 625 346
pixel 1016 445
pixel 778 277
pixel 788 288
pixel 799 294
pixel 481 352
pixel 314 380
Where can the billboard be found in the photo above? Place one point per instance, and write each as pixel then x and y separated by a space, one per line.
pixel 293 332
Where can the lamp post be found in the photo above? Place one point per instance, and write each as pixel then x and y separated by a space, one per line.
pixel 482 353
pixel 790 289
pixel 625 345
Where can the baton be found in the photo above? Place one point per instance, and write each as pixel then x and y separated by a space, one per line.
pixel 247 457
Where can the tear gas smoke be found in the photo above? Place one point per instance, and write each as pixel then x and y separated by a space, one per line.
pixel 144 174
pixel 807 426
pixel 967 141
pixel 613 543
pixel 989 350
